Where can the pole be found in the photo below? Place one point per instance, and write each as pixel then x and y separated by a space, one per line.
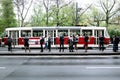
pixel 76 22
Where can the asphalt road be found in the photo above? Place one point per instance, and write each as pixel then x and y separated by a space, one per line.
pixel 59 68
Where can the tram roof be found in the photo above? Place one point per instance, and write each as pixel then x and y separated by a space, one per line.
pixel 54 28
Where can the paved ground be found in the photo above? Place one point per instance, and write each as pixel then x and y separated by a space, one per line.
pixel 95 51
pixel 59 68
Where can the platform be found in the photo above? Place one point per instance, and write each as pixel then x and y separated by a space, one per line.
pixel 54 52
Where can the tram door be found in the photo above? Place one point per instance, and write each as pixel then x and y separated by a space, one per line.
pixel 15 36
pixel 97 34
pixel 51 33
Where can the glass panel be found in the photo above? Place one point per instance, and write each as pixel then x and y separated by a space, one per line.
pixel 14 35
pixel 74 32
pixel 26 33
pixel 89 32
pixel 97 34
pixel 106 34
pixel 37 33
pixel 65 32
pixel 53 35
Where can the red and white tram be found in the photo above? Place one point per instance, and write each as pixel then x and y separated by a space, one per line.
pixel 34 35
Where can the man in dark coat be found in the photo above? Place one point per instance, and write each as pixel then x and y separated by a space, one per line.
pixel 26 43
pixel 115 43
pixel 41 43
pixel 9 43
pixel 101 43
pixel 61 43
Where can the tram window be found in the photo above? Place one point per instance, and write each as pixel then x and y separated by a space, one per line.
pixel 13 34
pixel 99 32
pixel 65 32
pixel 25 33
pixel 89 32
pixel 10 33
pixel 106 34
pixel 50 33
pixel 74 32
pixel 37 33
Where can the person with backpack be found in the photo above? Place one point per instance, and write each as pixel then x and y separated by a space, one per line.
pixel 75 41
pixel 26 43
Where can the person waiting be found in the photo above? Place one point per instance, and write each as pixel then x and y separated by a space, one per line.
pixel 9 42
pixel 61 43
pixel 70 42
pixel 41 43
pixel 101 43
pixel 115 43
pixel 49 43
pixel 75 41
pixel 26 43
pixel 86 38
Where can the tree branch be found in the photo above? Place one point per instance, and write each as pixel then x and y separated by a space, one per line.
pixel 66 4
pixel 85 10
pixel 103 6
pixel 28 9
pixel 112 5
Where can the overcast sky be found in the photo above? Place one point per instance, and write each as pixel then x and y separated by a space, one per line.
pixel 83 3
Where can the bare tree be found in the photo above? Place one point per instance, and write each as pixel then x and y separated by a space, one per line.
pixel 96 16
pixel 109 9
pixel 80 12
pixel 23 7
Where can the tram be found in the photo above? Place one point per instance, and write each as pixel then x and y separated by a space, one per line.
pixel 34 34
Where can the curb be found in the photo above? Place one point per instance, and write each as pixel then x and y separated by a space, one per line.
pixel 57 54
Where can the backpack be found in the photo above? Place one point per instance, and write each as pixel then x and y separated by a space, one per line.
pixel 42 41
pixel 9 40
